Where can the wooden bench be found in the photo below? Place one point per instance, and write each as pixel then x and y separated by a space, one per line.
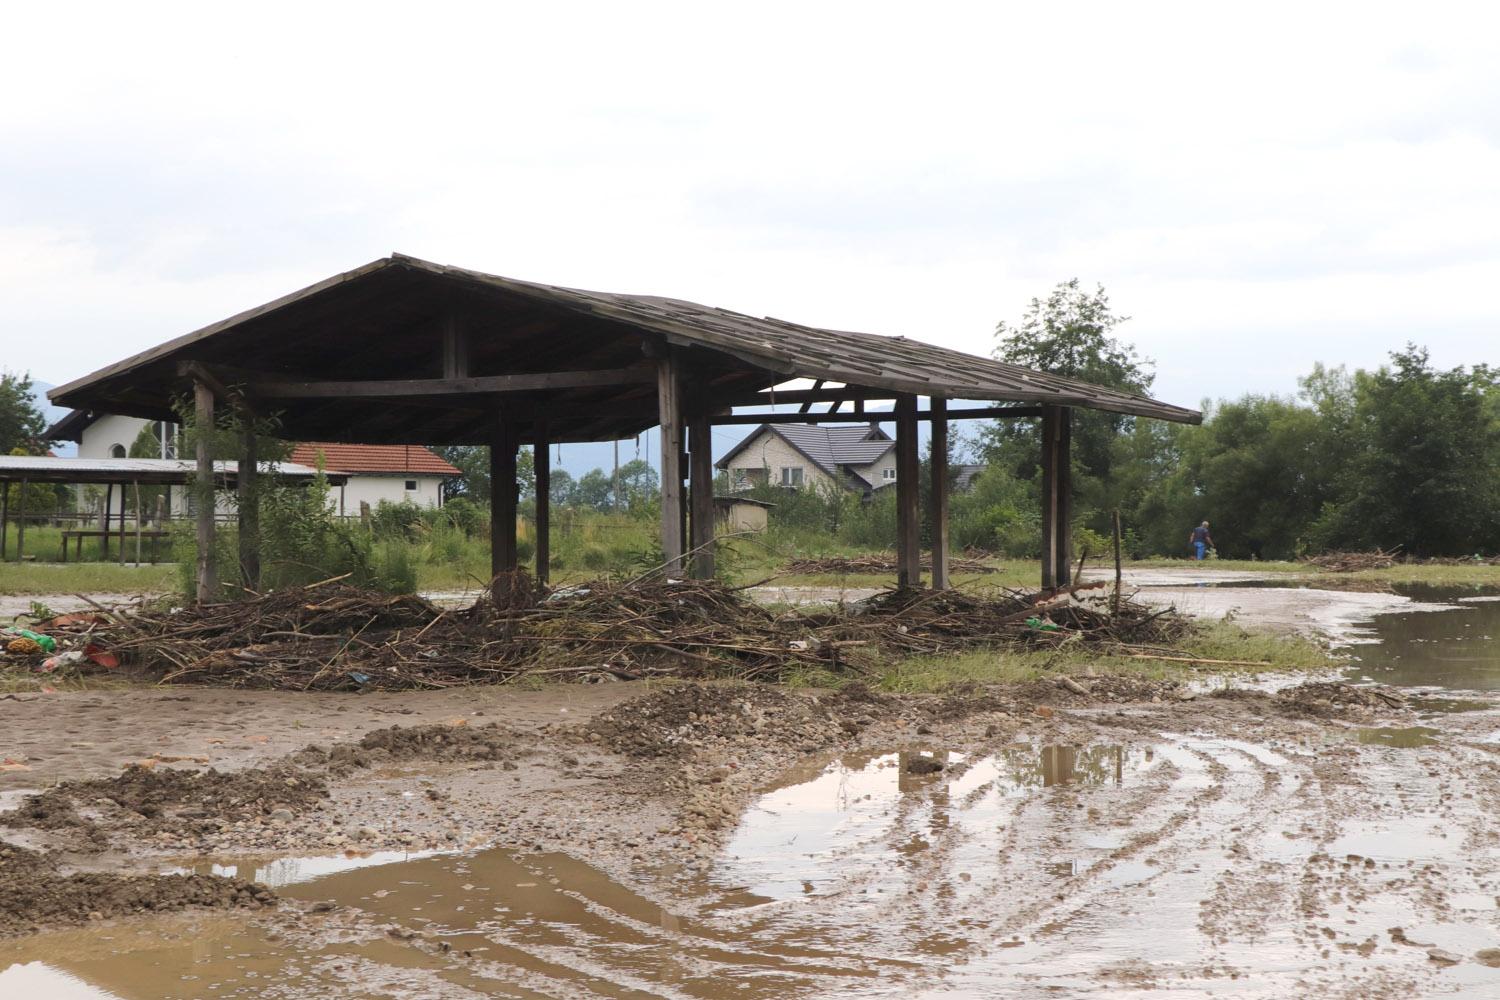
pixel 79 534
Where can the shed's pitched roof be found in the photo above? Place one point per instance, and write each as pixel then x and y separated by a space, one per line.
pixel 827 447
pixel 373 458
pixel 384 321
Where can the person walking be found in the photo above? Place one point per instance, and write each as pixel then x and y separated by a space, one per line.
pixel 1201 540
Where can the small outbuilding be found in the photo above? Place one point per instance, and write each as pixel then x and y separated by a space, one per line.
pixel 738 514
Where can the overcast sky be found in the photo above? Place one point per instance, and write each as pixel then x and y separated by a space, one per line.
pixel 1259 187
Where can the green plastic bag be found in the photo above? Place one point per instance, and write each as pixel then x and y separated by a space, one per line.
pixel 48 644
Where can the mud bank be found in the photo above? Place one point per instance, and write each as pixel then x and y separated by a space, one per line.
pixel 727 840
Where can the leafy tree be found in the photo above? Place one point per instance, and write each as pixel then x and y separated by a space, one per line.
pixel 595 490
pixel 1070 334
pixel 473 463
pixel 561 488
pixel 1424 468
pixel 21 419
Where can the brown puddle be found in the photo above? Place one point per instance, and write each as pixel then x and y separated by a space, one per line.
pixel 494 923
pixel 860 818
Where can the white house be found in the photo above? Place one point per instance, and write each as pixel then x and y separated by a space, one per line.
pixel 392 472
pixel 860 458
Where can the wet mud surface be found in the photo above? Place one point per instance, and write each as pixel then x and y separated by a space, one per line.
pixel 1128 837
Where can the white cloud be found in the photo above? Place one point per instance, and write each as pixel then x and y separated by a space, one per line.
pixel 1259 189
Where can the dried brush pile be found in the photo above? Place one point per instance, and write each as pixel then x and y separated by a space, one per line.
pixel 1351 562
pixel 334 637
pixel 845 565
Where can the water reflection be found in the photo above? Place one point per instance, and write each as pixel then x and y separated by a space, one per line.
pixel 1457 648
pixel 859 820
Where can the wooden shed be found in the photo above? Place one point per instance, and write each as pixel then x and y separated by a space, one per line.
pixel 402 350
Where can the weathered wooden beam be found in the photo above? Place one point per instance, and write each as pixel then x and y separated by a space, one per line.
pixel 1057 498
pixel 1064 496
pixel 701 486
pixel 860 415
pixel 541 461
pixel 246 476
pixel 502 495
pixel 265 385
pixel 21 525
pixel 455 345
pixel 203 400
pixel 807 405
pixel 908 526
pixel 669 415
pixel 938 512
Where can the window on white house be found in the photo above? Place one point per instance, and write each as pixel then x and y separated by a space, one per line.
pixel 117 451
pixel 888 474
pixel 791 475
pixel 411 486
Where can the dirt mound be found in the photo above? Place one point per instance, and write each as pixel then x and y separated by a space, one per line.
pixel 677 720
pixel 33 892
pixel 1329 698
pixel 144 800
pixel 442 741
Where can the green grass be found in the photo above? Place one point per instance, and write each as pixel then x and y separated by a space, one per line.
pixel 89 578
pixel 1215 640
pixel 1466 575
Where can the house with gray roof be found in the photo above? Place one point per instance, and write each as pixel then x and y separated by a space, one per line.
pixel 861 458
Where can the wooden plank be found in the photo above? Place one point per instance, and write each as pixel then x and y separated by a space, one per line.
pixel 938 513
pixel 137 524
pixel 807 405
pixel 247 479
pixel 105 515
pixel 541 461
pixel 207 582
pixel 908 526
pixel 669 415
pixel 271 387
pixel 502 495
pixel 861 415
pixel 701 484
pixel 5 518
pixel 455 346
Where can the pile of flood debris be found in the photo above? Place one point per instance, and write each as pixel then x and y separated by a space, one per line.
pixel 1351 562
pixel 338 637
pixel 972 561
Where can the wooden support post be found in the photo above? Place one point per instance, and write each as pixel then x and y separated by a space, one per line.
pixel 21 525
pixel 1064 496
pixel 1057 501
pixel 249 501
pixel 908 523
pixel 541 460
pixel 104 517
pixel 502 495
pixel 138 513
pixel 938 514
pixel 203 398
pixel 701 486
pixel 122 524
pixel 4 516
pixel 669 415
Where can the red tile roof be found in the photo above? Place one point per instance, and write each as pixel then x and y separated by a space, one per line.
pixel 372 458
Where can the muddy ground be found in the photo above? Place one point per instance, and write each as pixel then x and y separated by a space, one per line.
pixel 1093 836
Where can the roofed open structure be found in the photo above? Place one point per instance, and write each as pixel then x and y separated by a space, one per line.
pixel 402 350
